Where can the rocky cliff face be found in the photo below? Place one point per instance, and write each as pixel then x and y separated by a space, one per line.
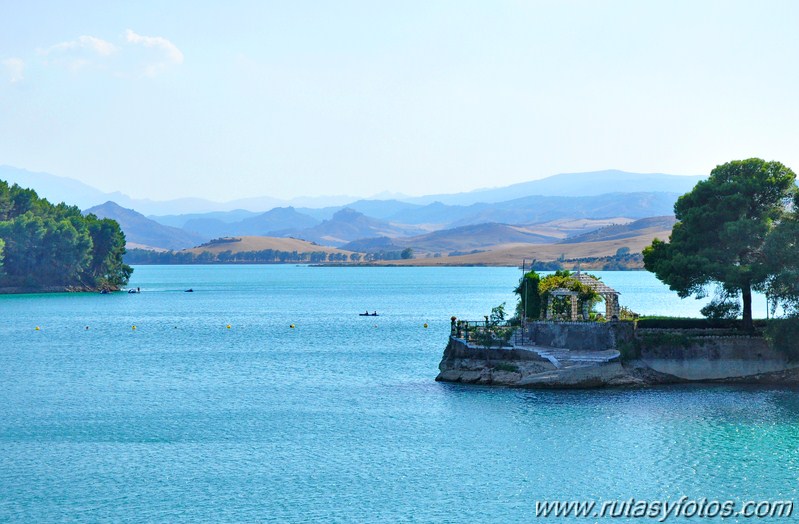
pixel 540 368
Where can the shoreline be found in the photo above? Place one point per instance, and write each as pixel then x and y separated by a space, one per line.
pixel 416 263
pixel 48 290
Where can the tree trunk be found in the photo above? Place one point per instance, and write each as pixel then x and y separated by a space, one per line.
pixel 746 295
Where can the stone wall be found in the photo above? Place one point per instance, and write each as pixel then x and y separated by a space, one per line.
pixel 586 336
pixel 457 348
pixel 677 353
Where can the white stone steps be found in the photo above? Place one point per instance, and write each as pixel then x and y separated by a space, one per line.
pixel 563 358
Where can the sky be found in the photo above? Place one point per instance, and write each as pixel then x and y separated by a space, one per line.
pixel 227 100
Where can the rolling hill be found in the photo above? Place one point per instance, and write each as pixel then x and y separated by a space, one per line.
pixel 569 227
pixel 468 238
pixel 601 242
pixel 372 245
pixel 486 236
pixel 645 226
pixel 512 254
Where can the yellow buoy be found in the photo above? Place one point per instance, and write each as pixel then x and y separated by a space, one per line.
pixel 37 328
pixel 228 326
pixel 133 328
pixel 425 325
pixel 292 326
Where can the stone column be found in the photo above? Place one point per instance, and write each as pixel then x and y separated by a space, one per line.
pixel 574 307
pixel 612 306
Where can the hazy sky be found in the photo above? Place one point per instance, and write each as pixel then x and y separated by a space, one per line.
pixel 231 99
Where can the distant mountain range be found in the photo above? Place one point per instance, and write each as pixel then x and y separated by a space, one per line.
pixel 142 232
pixel 280 221
pixel 62 189
pixel 537 209
pixel 347 225
pixel 392 218
pixel 226 217
pixel 578 208
pixel 592 183
pixel 487 236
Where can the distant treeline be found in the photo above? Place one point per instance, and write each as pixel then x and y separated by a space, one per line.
pixel 53 246
pixel 265 256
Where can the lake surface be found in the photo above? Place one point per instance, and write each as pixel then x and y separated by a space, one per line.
pixel 339 419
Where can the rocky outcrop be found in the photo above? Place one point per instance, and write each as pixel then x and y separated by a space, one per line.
pixel 475 365
pixel 652 357
pixel 536 367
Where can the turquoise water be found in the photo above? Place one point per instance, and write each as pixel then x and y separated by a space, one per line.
pixel 339 419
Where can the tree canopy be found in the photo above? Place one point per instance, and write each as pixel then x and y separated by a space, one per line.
pixel 782 253
pixel 529 304
pixel 47 245
pixel 724 227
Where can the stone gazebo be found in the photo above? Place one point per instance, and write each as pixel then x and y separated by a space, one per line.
pixel 608 294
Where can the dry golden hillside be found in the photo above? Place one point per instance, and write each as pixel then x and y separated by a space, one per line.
pixel 513 254
pixel 239 244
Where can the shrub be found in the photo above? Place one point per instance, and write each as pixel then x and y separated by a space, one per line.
pixel 693 323
pixel 660 340
pixel 721 310
pixel 783 335
pixel 626 313
pixel 629 350
pixel 494 332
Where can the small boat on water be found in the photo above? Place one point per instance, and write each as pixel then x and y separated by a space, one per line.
pixel 367 314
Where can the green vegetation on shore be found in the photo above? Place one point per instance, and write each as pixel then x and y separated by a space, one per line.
pixel 45 246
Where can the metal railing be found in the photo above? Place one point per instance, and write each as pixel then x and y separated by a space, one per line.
pixel 483 332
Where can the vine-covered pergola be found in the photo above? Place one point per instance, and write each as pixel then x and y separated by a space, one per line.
pixel 608 294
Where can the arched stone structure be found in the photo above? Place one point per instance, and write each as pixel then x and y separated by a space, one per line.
pixel 608 294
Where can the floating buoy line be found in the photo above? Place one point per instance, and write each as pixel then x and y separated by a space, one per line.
pixel 133 327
